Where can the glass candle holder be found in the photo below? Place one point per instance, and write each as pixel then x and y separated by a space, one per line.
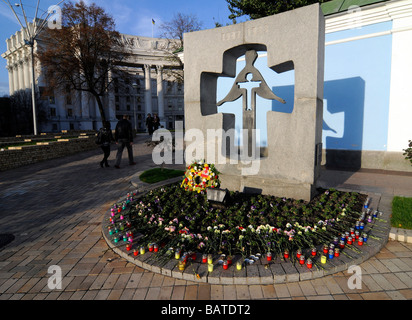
pixel 323 259
pixel 309 263
pixel 155 247
pixel 286 254
pixel 313 252
pixel 238 265
pixel 177 254
pixel 225 265
pixel 210 267
pixel 142 250
pixel 204 258
pixel 209 259
pixel 269 256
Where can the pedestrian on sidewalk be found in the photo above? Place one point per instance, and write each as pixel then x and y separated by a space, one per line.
pixel 123 136
pixel 156 122
pixel 149 123
pixel 104 138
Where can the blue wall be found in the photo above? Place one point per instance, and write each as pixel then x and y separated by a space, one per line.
pixel 356 91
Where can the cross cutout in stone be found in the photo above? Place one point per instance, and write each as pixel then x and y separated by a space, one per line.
pixel 242 83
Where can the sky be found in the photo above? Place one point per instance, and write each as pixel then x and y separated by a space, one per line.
pixel 132 17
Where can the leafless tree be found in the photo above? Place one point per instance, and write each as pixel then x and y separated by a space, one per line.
pixel 173 30
pixel 85 53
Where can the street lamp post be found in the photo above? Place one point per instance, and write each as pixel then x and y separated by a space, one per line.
pixel 31 36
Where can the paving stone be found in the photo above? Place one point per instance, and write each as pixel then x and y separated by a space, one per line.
pixel 282 291
pixel 291 272
pixel 165 293
pixel 242 292
pixel 255 292
pixel 294 289
pixel 178 293
pixel 253 276
pixel 279 274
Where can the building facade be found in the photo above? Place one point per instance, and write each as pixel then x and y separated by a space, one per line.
pixel 146 85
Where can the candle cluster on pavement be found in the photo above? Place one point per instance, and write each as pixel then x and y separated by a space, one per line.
pixel 122 234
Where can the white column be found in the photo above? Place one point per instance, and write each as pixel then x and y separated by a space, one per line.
pixel 160 96
pixel 15 77
pixel 21 75
pixel 148 89
pixel 11 81
pixel 26 72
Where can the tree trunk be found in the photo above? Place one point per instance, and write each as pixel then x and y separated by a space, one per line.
pixel 101 108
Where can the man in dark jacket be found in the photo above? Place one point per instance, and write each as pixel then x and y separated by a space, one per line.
pixel 123 136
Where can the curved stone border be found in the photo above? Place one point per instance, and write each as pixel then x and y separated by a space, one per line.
pixel 262 271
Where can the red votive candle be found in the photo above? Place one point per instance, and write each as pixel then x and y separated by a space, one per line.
pixel 313 252
pixel 269 256
pixel 225 265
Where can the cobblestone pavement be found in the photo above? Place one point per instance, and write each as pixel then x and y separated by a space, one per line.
pixel 55 208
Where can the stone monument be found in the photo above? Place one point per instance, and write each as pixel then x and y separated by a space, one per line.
pixel 293 40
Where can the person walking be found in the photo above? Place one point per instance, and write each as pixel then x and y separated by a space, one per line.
pixel 104 138
pixel 149 123
pixel 156 122
pixel 123 136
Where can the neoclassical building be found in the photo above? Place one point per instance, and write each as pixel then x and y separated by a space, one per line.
pixel 147 85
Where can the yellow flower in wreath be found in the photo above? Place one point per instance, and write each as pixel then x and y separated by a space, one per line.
pixel 199 176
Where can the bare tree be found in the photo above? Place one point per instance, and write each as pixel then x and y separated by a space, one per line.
pixel 174 30
pixel 82 54
pixel 180 24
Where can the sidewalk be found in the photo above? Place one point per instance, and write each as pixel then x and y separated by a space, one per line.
pixel 55 208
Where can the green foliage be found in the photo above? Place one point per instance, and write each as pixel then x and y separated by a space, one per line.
pixel 159 174
pixel 408 152
pixel 261 8
pixel 402 212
